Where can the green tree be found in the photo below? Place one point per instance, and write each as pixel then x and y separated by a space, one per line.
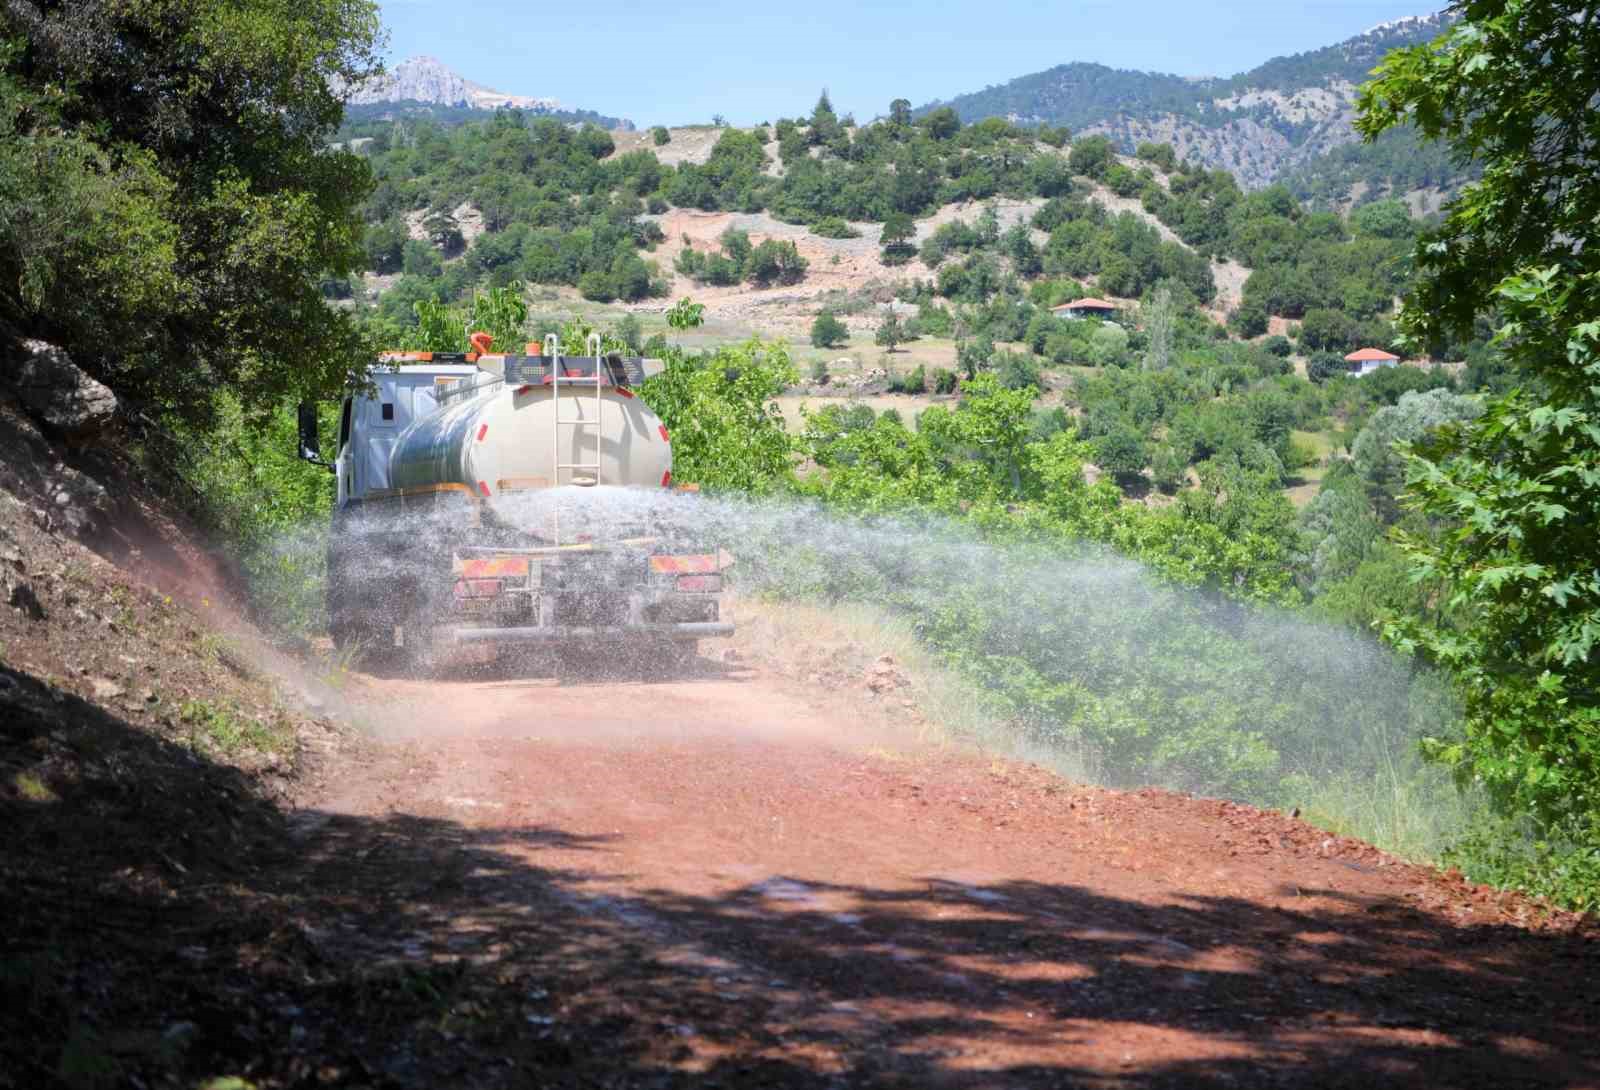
pixel 890 332
pixel 660 136
pixel 1091 155
pixel 942 124
pixel 1323 366
pixel 828 331
pixel 1328 330
pixel 630 331
pixel 834 227
pixel 384 246
pixel 1160 317
pixel 974 356
pixel 1122 453
pixel 898 231
pixel 686 314
pixel 1379 465
pixel 1512 84
pixel 172 196
pixel 1161 155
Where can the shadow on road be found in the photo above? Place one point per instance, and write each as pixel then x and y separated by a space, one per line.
pixel 165 923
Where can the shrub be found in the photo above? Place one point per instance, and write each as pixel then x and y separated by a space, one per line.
pixel 1325 365
pixel 934 320
pixel 914 381
pixel 1250 319
pixel 660 135
pixel 828 331
pixel 834 227
pixel 1017 370
pixel 630 331
pixel 944 381
pixel 1092 155
pixel 1169 469
pixel 774 260
pixel 1278 345
pixel 597 287
pixel 819 371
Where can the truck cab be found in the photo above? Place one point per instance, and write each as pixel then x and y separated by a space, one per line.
pixel 371 422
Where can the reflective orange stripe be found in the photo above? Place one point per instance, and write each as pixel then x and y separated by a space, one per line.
pixel 684 564
pixel 521 484
pixel 494 567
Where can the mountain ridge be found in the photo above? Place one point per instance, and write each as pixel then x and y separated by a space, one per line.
pixel 1257 124
pixel 423 82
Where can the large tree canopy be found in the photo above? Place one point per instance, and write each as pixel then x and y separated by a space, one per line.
pixel 1516 490
pixel 169 200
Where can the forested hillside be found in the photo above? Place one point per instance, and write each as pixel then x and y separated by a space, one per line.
pixel 550 204
pixel 1258 124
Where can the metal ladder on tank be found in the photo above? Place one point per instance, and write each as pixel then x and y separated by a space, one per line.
pixel 579 423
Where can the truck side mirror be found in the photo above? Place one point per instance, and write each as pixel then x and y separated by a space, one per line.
pixel 310 446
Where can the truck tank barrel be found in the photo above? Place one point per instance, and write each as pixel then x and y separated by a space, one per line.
pixel 498 439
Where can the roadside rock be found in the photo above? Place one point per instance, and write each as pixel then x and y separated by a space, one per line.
pixel 23 598
pixel 59 394
pixel 79 501
pixel 884 676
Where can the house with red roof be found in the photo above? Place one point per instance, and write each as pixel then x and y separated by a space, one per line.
pixel 1364 361
pixel 1086 308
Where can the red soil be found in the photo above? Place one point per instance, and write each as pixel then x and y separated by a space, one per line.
pixel 774 893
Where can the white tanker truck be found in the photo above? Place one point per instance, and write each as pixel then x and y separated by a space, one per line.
pixel 445 531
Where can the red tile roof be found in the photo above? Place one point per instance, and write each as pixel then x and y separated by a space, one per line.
pixel 1368 355
pixel 1086 304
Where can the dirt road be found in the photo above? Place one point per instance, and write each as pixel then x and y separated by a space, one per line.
pixel 718 880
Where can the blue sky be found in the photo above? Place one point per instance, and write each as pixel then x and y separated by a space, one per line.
pixel 753 61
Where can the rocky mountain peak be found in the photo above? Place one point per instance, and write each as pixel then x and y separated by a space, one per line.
pixel 430 80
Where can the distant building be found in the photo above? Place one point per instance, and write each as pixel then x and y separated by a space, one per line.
pixel 1085 308
pixel 1364 361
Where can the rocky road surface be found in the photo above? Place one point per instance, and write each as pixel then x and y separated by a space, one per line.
pixel 720 880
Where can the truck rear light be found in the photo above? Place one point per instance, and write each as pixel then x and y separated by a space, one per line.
pixel 705 584
pixel 477 588
pixel 685 565
pixel 485 567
